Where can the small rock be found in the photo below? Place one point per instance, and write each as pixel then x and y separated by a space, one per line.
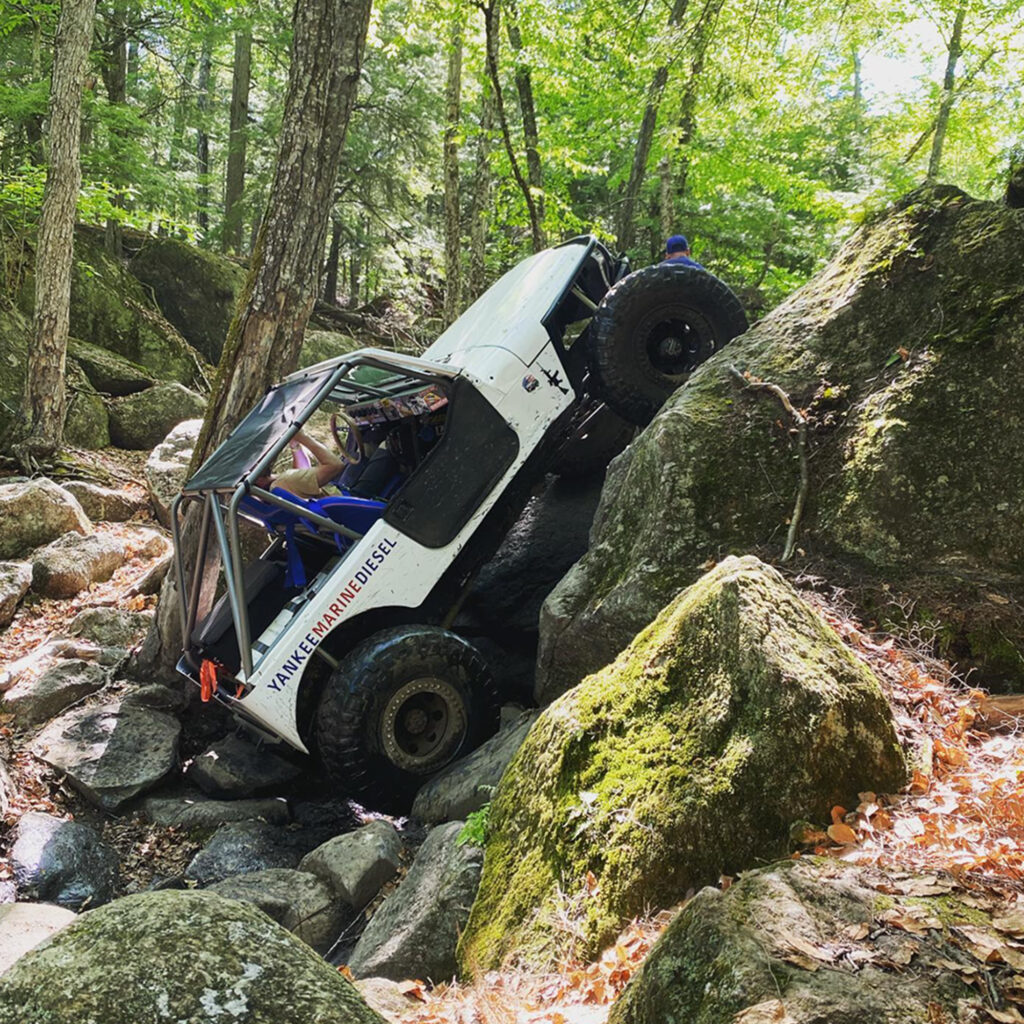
pixel 72 562
pixel 414 933
pixel 468 784
pixel 296 900
pixel 38 698
pixel 142 420
pixel 144 542
pixel 194 810
pixel 238 849
pixel 167 467
pixel 104 504
pixel 15 579
pixel 63 862
pixel 153 578
pixel 386 997
pixel 24 925
pixel 111 753
pixel 35 512
pixel 357 864
pixel 234 767
pixel 111 627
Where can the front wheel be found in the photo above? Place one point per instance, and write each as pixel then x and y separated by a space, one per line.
pixel 653 329
pixel 401 706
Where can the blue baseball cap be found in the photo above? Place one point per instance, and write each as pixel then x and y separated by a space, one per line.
pixel 677 243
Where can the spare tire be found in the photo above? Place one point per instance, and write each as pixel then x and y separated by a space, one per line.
pixel 653 329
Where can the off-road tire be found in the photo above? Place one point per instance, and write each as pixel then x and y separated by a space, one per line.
pixel 374 720
pixel 653 329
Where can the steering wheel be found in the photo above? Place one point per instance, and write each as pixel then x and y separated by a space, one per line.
pixel 350 448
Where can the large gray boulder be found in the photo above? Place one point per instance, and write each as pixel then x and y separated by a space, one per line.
pixel 819 942
pixel 170 956
pixel 15 579
pixel 144 419
pixel 357 864
pixel 904 352
pixel 110 627
pixel 167 467
pixel 37 698
pixel 86 424
pixel 108 372
pixel 296 900
pixel 735 713
pixel 35 512
pixel 414 932
pixel 63 862
pixel 195 289
pixel 111 753
pixel 105 504
pixel 72 562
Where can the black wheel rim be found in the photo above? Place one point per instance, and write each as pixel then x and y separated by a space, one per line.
pixel 423 725
pixel 676 340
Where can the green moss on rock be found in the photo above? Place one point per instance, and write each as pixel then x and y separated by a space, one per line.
pixel 737 711
pixel 170 957
pixel 914 467
pixel 747 953
pixel 194 288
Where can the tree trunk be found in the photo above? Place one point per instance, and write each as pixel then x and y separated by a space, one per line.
pixel 481 194
pixel 44 392
pixel 954 50
pixel 524 86
pixel 625 230
pixel 452 221
pixel 1015 187
pixel 491 18
pixel 203 87
pixel 181 105
pixel 330 293
pixel 115 78
pixel 234 186
pixel 273 308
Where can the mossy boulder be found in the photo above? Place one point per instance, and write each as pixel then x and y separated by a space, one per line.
pixel 905 353
pixel 108 372
pixel 737 712
pixel 809 942
pixel 111 309
pixel 143 420
pixel 86 424
pixel 320 345
pixel 194 288
pixel 177 956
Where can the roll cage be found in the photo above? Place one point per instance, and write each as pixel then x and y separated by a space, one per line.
pixel 425 507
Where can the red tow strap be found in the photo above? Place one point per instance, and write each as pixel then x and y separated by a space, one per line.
pixel 207 679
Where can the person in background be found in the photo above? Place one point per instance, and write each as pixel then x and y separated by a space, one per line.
pixel 677 250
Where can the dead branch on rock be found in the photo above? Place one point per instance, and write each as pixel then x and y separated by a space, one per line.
pixel 800 420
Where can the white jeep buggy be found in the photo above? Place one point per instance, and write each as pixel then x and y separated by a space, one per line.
pixel 335 639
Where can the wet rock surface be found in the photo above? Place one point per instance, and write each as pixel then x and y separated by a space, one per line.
pixel 62 862
pixel 236 767
pixel 111 753
pixel 239 848
pixel 191 809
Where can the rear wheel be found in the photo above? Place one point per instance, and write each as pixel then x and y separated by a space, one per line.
pixel 401 706
pixel 653 329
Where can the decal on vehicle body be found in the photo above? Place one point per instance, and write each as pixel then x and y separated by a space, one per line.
pixel 530 383
pixel 345 596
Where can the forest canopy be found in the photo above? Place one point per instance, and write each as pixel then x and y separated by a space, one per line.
pixel 763 130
